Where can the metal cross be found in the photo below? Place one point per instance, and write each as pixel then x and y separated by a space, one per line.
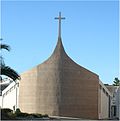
pixel 59 18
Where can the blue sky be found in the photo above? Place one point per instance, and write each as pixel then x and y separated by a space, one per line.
pixel 90 34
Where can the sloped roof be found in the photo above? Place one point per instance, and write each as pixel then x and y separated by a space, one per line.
pixel 59 54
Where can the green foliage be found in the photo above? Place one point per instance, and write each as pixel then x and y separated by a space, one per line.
pixel 6 70
pixel 4 46
pixel 21 114
pixel 7 114
pixel 6 110
pixel 11 115
pixel 45 115
pixel 18 113
pixel 17 110
pixel 36 115
pixel 116 82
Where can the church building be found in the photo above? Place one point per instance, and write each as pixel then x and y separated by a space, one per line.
pixel 61 87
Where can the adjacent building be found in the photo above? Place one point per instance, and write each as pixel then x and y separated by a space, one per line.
pixel 104 102
pixel 118 103
pixel 115 100
pixel 9 96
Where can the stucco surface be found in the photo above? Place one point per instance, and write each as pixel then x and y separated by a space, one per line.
pixel 60 87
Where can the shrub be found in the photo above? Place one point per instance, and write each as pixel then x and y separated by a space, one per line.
pixel 21 114
pixel 17 111
pixel 45 115
pixel 36 115
pixel 12 116
pixel 6 110
pixel 7 114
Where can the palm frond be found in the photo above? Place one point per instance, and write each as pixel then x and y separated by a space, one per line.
pixel 4 46
pixel 2 63
pixel 6 70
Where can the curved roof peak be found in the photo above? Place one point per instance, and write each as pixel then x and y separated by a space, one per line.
pixel 59 47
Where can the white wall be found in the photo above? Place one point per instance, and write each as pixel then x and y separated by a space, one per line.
pixel 9 97
pixel 0 101
pixel 104 101
pixel 104 105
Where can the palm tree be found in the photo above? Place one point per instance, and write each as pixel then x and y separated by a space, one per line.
pixel 6 70
pixel 116 82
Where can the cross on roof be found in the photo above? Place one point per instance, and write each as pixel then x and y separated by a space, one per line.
pixel 59 29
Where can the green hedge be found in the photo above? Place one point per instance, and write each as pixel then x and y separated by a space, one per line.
pixel 7 114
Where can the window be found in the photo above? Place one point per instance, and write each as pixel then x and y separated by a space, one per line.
pixel 114 109
pixel 114 113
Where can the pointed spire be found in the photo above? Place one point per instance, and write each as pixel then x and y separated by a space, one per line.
pixel 59 29
pixel 59 43
pixel 59 49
